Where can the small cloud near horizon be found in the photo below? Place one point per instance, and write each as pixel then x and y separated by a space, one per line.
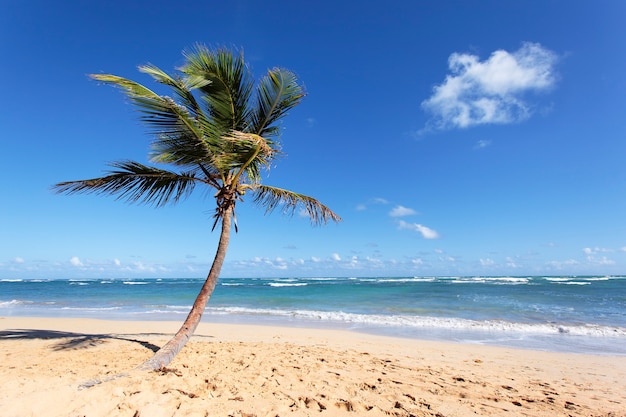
pixel 487 262
pixel 592 251
pixel 75 261
pixel 426 232
pixel 492 91
pixel 401 211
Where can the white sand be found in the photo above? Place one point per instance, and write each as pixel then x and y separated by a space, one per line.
pixel 238 370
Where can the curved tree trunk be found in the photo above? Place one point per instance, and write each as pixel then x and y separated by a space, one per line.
pixel 166 354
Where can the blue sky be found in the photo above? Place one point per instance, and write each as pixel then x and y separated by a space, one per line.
pixel 453 137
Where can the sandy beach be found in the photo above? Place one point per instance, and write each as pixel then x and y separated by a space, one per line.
pixel 241 370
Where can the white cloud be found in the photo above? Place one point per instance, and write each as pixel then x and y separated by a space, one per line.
pixel 623 249
pixel 303 213
pixel 400 211
pixel 481 144
pixel 591 251
pixel 75 261
pixel 487 262
pixel 563 264
pixel 490 91
pixel 510 262
pixel 140 266
pixel 335 257
pixel 18 260
pixel 600 261
pixel 376 200
pixel 374 262
pixel 117 262
pixel 427 233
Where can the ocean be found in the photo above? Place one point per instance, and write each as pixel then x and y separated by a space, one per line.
pixel 582 314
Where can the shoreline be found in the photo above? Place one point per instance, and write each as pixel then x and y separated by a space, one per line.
pixel 554 340
pixel 259 370
pixel 564 314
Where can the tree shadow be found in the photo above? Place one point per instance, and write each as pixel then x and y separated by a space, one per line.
pixel 74 340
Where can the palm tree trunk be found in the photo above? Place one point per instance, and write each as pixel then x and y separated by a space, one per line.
pixel 166 354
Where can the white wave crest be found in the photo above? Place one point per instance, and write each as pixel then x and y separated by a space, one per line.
pixel 286 284
pixel 14 303
pixel 430 322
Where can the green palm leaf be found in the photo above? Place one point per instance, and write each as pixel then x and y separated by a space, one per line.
pixel 277 93
pixel 160 113
pixel 289 202
pixel 136 183
pixel 228 92
pixel 183 87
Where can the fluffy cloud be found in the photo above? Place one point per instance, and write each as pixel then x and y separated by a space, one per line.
pixel 426 232
pixel 490 91
pixel 400 211
pixel 76 262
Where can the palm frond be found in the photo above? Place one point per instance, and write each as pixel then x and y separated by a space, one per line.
pixel 182 150
pixel 160 113
pixel 289 201
pixel 277 93
pixel 182 136
pixel 183 87
pixel 136 183
pixel 228 93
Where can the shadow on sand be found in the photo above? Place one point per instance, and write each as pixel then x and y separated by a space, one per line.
pixel 72 340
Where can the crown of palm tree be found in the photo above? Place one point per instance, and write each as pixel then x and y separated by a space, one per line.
pixel 220 129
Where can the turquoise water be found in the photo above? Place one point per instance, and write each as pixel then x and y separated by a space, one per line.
pixel 574 314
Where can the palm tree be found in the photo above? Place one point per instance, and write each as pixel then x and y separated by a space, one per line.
pixel 220 131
